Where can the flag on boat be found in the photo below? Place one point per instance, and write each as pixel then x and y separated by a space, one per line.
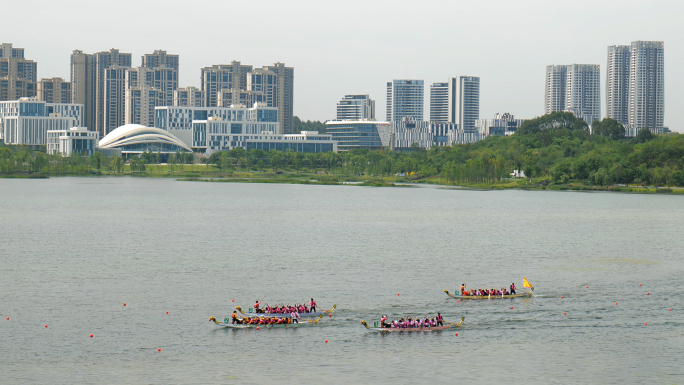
pixel 526 283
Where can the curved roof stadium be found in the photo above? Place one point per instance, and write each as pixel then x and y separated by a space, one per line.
pixel 136 139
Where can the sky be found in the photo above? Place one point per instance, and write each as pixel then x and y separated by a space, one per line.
pixel 356 47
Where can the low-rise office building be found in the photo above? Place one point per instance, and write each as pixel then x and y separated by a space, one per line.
pixel 423 134
pixel 27 120
pixel 215 134
pixel 502 125
pixel 353 134
pixel 75 139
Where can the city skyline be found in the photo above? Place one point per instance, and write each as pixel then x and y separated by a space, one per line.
pixel 510 59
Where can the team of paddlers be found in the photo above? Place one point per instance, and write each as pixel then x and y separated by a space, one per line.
pixel 487 292
pixel 285 309
pixel 410 322
pixel 262 320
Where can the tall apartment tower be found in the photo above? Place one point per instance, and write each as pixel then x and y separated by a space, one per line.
pixel 439 102
pixel 405 100
pixel 635 85
pixel 162 74
pixel 356 107
pixel 18 76
pixel 574 88
pixel 263 87
pixel 646 85
pixel 54 90
pixel 84 85
pixel 617 83
pixel 464 101
pixel 188 97
pixel 222 77
pixel 284 96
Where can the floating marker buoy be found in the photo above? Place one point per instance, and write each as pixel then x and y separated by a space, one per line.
pixel 91 336
pixel 669 310
pixel 257 328
pixel 511 307
pixel 616 303
pixel 458 300
pixel 329 315
pixel 565 313
pixel 648 293
pixel 645 323
pixel 167 312
pixel 587 287
pixel 8 317
pixel 397 293
pixel 561 297
pixel 456 334
pixel 159 350
pixel 326 341
pixel 124 303
pixel 233 300
pixel 45 325
pixel 639 284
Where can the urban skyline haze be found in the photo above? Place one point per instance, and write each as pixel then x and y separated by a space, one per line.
pixel 359 47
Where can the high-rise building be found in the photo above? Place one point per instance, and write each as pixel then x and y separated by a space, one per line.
pixel 188 97
pixel 140 104
pixel 161 73
pixel 646 86
pixel 160 59
pixel 617 83
pixel 439 102
pixel 284 96
pixel 574 88
pixel 18 76
pixel 114 98
pixel 404 100
pixel 265 82
pixel 54 90
pixel 464 101
pixel 222 77
pixel 84 86
pixel 356 107
pixel 635 86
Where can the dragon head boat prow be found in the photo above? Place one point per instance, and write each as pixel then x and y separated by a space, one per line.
pixel 213 319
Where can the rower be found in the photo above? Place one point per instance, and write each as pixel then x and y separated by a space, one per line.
pixel 440 320
pixel 312 306
pixel 295 316
pixel 383 322
pixel 463 286
pixel 235 318
pixel 513 288
pixel 256 307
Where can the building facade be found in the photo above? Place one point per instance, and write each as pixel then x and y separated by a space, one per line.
pixel 408 132
pixel 405 99
pixel 439 102
pixel 54 90
pixel 502 125
pixel 250 121
pixel 464 101
pixel 188 97
pixel 84 85
pixel 18 76
pixel 574 88
pixel 27 120
pixel 646 86
pixel 75 139
pixel 617 83
pixel 356 107
pixel 352 134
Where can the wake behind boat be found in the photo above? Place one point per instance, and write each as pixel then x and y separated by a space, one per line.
pixel 466 293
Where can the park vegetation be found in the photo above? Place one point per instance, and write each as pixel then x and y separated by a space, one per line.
pixel 553 150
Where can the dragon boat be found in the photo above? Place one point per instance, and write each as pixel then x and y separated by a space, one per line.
pixel 228 324
pixel 285 315
pixel 447 325
pixel 524 294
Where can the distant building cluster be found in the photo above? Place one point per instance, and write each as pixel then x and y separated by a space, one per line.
pixel 243 106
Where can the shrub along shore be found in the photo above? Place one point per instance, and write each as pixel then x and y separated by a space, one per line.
pixel 555 152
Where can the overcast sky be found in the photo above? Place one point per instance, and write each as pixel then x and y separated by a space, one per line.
pixel 353 46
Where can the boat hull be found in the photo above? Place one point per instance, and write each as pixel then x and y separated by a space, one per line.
pixel 521 295
pixel 281 326
pixel 410 330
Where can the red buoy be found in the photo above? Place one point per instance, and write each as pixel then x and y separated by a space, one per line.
pixel 639 284
pixel 326 341
pixel 616 303
pixel 91 336
pixel 670 310
pixel 456 334
pixel 329 314
pixel 159 350
pixel 648 293
pixel 511 307
pixel 257 328
pixel 565 313
pixel 645 323
pixel 587 287
pixel 561 297
pixel 458 300
pixel 167 312
pixel 45 325
pixel 397 293
pixel 8 317
pixel 124 303
pixel 233 300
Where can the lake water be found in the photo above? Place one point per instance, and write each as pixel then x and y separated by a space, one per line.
pixel 73 250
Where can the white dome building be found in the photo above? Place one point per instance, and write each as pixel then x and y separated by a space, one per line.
pixel 135 139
